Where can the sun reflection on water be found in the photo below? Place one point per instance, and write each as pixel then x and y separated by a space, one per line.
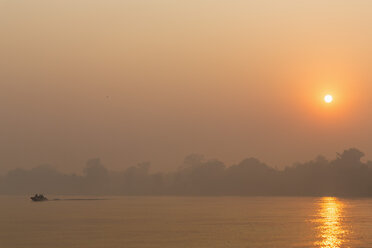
pixel 332 229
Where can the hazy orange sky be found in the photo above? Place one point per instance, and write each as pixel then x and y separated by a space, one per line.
pixel 132 81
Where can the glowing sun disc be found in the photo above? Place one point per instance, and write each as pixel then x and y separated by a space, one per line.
pixel 328 98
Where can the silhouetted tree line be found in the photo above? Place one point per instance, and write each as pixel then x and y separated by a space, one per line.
pixel 346 175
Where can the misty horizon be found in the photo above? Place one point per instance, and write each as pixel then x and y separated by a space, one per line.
pixel 174 167
pixel 345 175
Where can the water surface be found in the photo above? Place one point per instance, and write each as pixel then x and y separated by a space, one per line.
pixel 186 222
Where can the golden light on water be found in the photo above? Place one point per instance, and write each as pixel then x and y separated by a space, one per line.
pixel 333 231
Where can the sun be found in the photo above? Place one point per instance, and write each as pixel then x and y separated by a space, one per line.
pixel 328 98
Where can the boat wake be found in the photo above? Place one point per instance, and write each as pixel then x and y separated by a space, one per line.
pixel 79 199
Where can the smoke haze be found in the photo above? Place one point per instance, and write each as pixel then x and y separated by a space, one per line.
pixel 346 175
pixel 131 81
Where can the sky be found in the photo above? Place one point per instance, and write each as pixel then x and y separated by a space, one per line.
pixel 135 80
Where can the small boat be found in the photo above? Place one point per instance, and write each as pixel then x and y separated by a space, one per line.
pixel 37 197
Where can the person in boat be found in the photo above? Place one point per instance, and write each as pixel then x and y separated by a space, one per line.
pixel 40 197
